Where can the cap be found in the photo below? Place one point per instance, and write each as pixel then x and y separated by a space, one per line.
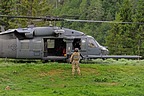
pixel 76 49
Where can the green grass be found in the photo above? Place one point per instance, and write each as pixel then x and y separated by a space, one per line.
pixel 99 78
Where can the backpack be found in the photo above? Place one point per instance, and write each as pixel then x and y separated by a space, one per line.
pixel 76 56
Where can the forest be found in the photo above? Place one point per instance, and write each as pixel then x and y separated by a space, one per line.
pixel 121 39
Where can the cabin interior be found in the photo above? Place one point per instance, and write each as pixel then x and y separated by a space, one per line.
pixel 57 47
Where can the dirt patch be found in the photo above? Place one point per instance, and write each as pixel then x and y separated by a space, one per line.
pixel 109 84
pixel 86 71
pixel 89 70
pixel 51 72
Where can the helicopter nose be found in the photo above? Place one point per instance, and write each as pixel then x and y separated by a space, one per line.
pixel 104 50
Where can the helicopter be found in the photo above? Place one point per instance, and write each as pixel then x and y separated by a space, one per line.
pixel 52 43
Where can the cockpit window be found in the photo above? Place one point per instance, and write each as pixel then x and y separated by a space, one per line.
pixel 92 43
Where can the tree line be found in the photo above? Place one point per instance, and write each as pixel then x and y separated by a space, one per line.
pixel 126 39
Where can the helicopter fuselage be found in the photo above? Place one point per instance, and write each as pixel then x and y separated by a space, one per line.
pixel 47 43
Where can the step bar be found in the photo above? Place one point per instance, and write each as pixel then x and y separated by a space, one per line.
pixel 54 58
pixel 114 56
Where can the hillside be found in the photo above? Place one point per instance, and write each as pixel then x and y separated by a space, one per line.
pixel 99 78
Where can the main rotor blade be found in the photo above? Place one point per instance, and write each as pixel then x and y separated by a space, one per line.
pixel 28 17
pixel 94 21
pixel 47 18
pixel 52 18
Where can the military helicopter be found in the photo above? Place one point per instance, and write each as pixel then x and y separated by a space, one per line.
pixel 51 43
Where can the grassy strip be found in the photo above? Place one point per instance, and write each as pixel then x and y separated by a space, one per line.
pixel 99 78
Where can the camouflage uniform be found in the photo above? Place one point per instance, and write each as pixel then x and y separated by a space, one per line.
pixel 74 59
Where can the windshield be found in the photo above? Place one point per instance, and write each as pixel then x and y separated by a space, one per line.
pixel 97 43
pixel 93 43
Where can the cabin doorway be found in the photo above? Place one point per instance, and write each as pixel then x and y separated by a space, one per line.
pixel 54 47
pixel 77 43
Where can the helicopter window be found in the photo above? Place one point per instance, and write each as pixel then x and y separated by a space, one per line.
pixel 50 43
pixel 92 43
pixel 25 44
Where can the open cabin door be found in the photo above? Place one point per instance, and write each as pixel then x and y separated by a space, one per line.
pixel 54 47
pixel 80 43
pixel 76 43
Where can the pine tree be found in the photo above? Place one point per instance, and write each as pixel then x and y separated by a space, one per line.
pixel 6 8
pixel 121 37
pixel 139 28
pixel 110 7
pixel 32 8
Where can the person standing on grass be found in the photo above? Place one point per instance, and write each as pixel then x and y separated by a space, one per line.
pixel 74 59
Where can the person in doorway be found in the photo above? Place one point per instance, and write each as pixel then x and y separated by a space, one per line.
pixel 74 59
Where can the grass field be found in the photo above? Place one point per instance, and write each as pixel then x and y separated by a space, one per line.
pixel 99 78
